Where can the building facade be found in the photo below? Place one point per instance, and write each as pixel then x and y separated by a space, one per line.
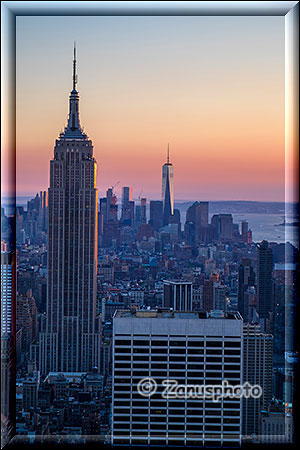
pixel 127 217
pixel 156 214
pixel 277 426
pixel 264 280
pixel 257 370
pixel 223 225
pixel 190 347
pixel 246 278
pixel 178 295
pixel 70 335
pixel 8 345
pixel 219 297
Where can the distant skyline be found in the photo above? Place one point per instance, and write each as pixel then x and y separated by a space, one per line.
pixel 213 87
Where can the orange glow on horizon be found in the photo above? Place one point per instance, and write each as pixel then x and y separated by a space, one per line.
pixel 223 113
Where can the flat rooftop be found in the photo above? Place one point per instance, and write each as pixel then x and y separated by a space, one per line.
pixel 162 313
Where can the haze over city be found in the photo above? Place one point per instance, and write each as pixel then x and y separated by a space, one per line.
pixel 212 87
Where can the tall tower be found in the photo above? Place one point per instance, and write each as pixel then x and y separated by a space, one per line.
pixel 167 189
pixel 8 344
pixel 246 278
pixel 70 332
pixel 264 281
pixel 257 370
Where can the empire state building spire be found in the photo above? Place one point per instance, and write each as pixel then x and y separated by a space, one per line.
pixel 74 69
pixel 70 338
pixel 73 129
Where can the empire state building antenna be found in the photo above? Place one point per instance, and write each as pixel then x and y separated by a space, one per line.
pixel 74 68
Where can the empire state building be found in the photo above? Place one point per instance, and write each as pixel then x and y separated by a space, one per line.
pixel 70 332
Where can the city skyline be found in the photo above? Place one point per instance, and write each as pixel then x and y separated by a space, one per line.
pixel 149 253
pixel 141 89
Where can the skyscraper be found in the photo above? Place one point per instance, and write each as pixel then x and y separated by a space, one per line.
pixel 264 281
pixel 138 216
pixel 197 229
pixel 191 348
pixel 167 189
pixel 223 225
pixel 198 214
pixel 285 301
pixel 156 214
pixel 244 230
pixel 127 217
pixel 8 307
pixel 70 335
pixel 126 195
pixel 43 210
pixel 178 295
pixel 219 297
pixel 112 205
pixel 246 278
pixel 108 209
pixel 143 210
pixel 208 295
pixel 257 370
pixel 8 349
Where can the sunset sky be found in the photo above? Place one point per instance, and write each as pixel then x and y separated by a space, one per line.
pixel 213 87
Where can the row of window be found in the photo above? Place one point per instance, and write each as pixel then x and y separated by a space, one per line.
pixel 165 420
pixel 182 359
pixel 189 417
pixel 160 407
pixel 171 343
pixel 191 440
pixel 179 427
pixel 175 364
pixel 211 376
pixel 178 404
pixel 127 353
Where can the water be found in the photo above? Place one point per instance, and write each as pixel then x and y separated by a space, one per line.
pixel 264 227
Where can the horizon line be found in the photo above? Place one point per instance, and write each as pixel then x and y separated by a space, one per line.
pixel 7 197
